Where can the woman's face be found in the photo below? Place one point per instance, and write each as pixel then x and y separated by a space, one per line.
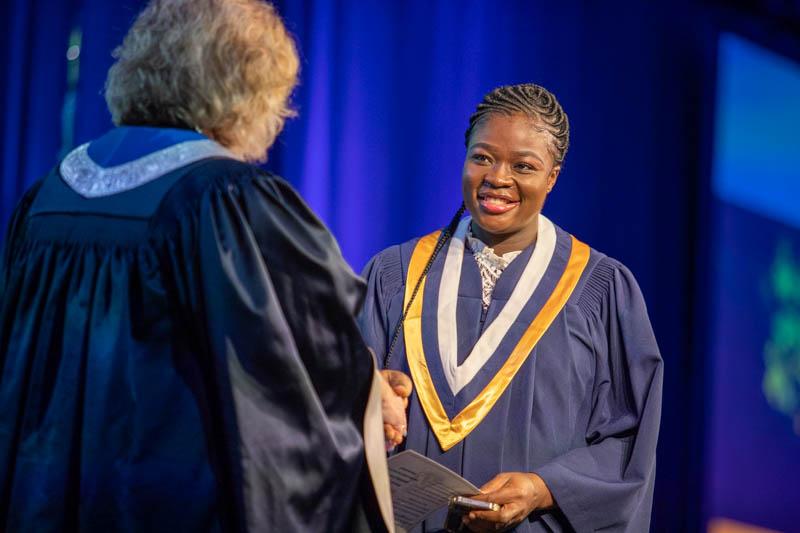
pixel 507 175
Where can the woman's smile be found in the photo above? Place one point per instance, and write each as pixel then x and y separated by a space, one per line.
pixel 494 204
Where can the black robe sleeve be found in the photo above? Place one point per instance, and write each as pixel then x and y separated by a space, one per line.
pixel 12 231
pixel 273 304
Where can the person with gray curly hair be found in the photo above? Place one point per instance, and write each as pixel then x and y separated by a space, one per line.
pixel 177 329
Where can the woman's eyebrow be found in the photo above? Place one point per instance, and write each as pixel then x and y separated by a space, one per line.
pixel 527 153
pixel 516 153
pixel 485 146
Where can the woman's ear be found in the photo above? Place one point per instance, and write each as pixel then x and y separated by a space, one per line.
pixel 553 177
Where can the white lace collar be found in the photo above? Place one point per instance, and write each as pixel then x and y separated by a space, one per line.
pixel 490 265
pixel 479 247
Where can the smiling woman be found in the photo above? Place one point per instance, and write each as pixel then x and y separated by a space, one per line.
pixel 536 372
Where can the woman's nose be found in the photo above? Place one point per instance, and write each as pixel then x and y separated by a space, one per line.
pixel 497 177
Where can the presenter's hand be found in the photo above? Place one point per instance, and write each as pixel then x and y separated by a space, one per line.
pixel 518 493
pixel 395 389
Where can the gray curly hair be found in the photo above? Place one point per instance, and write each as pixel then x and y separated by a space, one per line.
pixel 224 67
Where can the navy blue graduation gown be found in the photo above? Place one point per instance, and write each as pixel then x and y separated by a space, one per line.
pixel 583 411
pixel 183 356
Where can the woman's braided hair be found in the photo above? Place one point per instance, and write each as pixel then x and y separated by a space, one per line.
pixel 533 101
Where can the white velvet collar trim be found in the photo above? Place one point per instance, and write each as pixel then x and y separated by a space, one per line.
pixel 90 180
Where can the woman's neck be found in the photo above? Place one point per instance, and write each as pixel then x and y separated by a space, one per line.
pixel 512 242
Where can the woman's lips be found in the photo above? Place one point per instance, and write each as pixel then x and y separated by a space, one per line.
pixel 496 206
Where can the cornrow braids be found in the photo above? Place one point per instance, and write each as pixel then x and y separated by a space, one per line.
pixel 443 239
pixel 533 101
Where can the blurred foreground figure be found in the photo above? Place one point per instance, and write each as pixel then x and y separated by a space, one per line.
pixel 177 336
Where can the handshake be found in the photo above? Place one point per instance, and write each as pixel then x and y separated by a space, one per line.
pixel 396 387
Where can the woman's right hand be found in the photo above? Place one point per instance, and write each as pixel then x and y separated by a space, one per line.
pixel 396 387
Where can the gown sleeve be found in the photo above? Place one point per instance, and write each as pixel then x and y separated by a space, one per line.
pixel 608 484
pixel 275 305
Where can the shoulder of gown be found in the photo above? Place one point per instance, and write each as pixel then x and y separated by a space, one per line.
pixel 606 281
pixel 385 271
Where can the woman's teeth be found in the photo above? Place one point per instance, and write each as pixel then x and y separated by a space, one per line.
pixel 495 201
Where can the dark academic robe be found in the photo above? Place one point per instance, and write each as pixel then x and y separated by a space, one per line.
pixel 583 409
pixel 180 356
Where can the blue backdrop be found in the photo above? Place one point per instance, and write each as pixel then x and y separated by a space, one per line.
pixel 386 92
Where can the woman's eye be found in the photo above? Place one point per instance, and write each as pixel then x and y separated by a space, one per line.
pixel 480 158
pixel 525 167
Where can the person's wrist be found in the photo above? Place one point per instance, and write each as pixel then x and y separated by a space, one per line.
pixel 542 497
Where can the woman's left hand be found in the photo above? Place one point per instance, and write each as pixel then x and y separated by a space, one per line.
pixel 518 493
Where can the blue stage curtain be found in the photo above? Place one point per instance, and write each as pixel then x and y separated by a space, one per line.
pixel 385 96
pixel 33 82
pixel 387 89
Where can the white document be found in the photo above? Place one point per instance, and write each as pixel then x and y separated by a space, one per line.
pixel 420 486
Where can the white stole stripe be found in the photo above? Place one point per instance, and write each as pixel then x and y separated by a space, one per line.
pixel 459 376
